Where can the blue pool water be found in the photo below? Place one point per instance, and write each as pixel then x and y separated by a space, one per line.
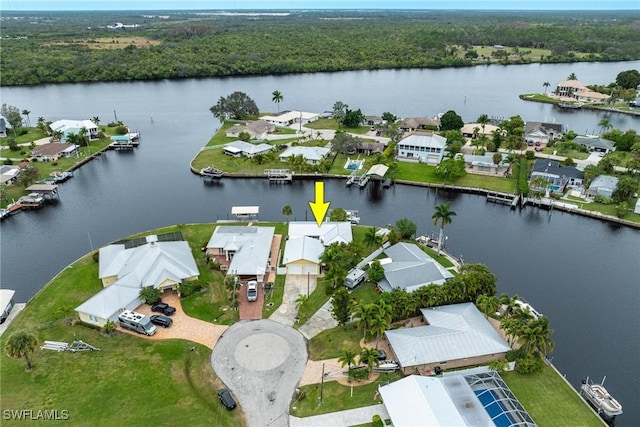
pixel 494 408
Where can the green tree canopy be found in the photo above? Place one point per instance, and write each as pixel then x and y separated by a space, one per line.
pixel 13 116
pixel 238 106
pixel 626 188
pixel 353 118
pixel 341 306
pixel 20 344
pixel 451 121
pixel 375 273
pixel 338 215
pixel 344 143
pixel 629 79
pixel 451 169
pixel 406 227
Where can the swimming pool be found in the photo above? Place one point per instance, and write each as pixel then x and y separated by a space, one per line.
pixel 494 407
pixel 354 165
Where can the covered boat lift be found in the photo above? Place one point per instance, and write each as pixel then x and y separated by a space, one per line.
pixel 245 213
pixel 48 191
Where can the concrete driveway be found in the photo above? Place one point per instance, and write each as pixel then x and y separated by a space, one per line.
pixel 294 285
pixel 261 362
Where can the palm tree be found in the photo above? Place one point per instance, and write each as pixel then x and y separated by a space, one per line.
pixel 300 300
pixel 287 212
pixel 83 136
pixel 379 324
pixel 442 214
pixel 483 120
pixel 26 113
pixel 536 337
pixel 605 124
pixel 370 357
pixel 572 76
pixel 546 86
pixel 488 304
pixel 20 344
pixel 538 186
pixel 277 98
pixel 347 358
pixel 364 313
pixel 96 120
pixel 371 238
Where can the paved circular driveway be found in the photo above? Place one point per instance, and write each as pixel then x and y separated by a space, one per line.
pixel 261 361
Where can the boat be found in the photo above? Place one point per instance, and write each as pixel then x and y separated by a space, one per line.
pixel 387 366
pixel 600 399
pixel 570 105
pixel 353 217
pixel 59 177
pixel 31 201
pixel 211 172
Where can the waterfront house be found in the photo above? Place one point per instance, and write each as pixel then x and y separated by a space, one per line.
pixel 302 255
pixel 471 130
pixel 327 233
pixel 478 398
pixel 52 151
pixel 484 164
pixel 312 155
pixel 540 132
pixel 408 267
pixel 373 121
pixel 603 186
pixel 412 124
pixel 9 174
pixel 241 148
pixel 258 129
pixel 455 336
pixel 244 251
pixel 65 127
pixel 580 92
pixel 593 143
pixel 369 148
pixel 124 271
pixel 423 148
pixel 558 177
pixel 288 118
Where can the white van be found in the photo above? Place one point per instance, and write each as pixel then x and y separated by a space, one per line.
pixel 136 322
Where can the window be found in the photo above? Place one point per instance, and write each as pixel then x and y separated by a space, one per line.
pixel 93 318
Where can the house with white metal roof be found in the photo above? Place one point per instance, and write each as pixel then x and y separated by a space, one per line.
pixel 9 173
pixel 302 255
pixel 124 272
pixel 327 233
pixel 408 267
pixel 455 336
pixel 287 118
pixel 424 148
pixel 241 148
pixel 74 126
pixel 312 155
pixel 244 250
pixel 603 186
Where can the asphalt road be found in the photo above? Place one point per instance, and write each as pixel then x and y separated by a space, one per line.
pixel 261 362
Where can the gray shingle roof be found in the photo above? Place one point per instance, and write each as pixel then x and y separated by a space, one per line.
pixel 411 269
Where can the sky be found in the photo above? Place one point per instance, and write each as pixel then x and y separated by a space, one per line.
pixel 34 5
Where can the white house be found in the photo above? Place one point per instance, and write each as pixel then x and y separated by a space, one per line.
pixel 287 118
pixel 312 155
pixel 74 126
pixel 9 173
pixel 327 233
pixel 302 255
pixel 245 250
pixel 258 129
pixel 424 148
pixel 124 272
pixel 241 148
pixel 603 186
pixel 580 92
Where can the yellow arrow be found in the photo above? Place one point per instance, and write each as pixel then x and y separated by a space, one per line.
pixel 319 207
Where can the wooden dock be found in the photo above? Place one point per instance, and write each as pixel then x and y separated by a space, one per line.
pixel 502 198
pixel 279 175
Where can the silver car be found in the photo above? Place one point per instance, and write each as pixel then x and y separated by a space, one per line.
pixel 252 290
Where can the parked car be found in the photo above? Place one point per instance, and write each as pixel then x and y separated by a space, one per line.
pixel 252 290
pixel 227 400
pixel 164 308
pixel 161 320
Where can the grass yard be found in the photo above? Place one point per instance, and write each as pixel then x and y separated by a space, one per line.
pixel 332 124
pixel 329 344
pixel 110 42
pixel 549 400
pixel 96 387
pixel 274 297
pixel 337 397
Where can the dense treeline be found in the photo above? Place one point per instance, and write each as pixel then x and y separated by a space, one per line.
pixel 65 47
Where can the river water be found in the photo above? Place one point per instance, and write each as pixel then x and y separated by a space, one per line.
pixel 583 274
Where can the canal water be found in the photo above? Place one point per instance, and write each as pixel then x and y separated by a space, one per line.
pixel 583 274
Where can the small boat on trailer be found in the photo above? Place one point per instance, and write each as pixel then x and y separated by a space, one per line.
pixel 211 172
pixel 598 397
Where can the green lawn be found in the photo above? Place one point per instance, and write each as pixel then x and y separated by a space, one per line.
pixel 337 397
pixel 172 383
pixel 329 344
pixel 550 400
pixel 332 124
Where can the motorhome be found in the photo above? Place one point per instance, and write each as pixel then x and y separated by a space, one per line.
pixel 136 322
pixel 354 278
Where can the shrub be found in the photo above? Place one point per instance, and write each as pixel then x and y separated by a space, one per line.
pixel 23 153
pixel 358 373
pixel 530 155
pixel 150 295
pixel 23 131
pixel 7 161
pixel 121 130
pixel 529 364
pixel 13 145
pixel 187 289
pixel 377 421
pixel 513 355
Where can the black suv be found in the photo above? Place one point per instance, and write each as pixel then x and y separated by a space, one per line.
pixel 161 320
pixel 163 308
pixel 226 399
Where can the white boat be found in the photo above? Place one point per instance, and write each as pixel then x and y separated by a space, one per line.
pixel 211 172
pixel 387 366
pixel 600 399
pixel 353 217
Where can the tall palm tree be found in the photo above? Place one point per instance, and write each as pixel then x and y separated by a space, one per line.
pixel 83 135
pixel 546 86
pixel 287 211
pixel 20 344
pixel 347 358
pixel 605 124
pixel 370 357
pixel 572 76
pixel 96 120
pixel 536 337
pixel 483 120
pixel 365 313
pixel 371 238
pixel 26 113
pixel 277 98
pixel 488 304
pixel 444 215
pixel 379 324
